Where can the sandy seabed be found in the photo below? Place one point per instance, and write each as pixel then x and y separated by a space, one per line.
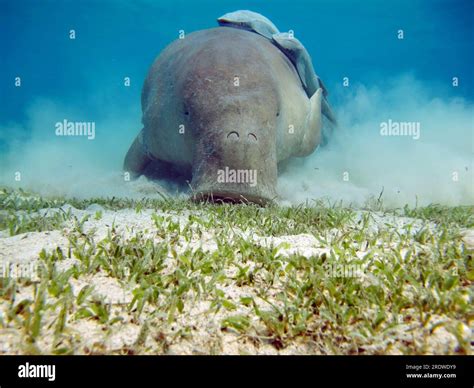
pixel 197 328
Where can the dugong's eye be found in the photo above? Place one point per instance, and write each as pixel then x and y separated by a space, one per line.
pixel 278 114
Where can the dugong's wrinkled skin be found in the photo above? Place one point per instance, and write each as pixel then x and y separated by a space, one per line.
pixel 299 56
pixel 252 125
pixel 248 20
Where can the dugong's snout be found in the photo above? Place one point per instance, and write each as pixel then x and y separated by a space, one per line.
pixel 235 165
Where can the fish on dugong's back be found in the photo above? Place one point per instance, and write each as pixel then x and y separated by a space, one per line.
pixel 222 108
pixel 288 44
pixel 299 56
pixel 248 20
pixel 301 59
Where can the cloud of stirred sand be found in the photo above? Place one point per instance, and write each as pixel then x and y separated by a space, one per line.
pixel 359 162
pixel 434 165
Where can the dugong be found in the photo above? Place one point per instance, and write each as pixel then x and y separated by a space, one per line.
pixel 222 108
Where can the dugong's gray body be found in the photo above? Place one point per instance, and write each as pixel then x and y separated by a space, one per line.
pixel 219 101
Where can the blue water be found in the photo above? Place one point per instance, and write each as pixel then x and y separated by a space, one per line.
pixel 117 39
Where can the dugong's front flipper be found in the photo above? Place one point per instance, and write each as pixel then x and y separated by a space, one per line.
pixel 248 20
pixel 137 158
pixel 313 125
pixel 299 56
pixel 327 111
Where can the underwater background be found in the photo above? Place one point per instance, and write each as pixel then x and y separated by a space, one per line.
pixel 372 76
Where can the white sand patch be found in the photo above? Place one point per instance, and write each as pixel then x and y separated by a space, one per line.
pixel 10 341
pixel 26 247
pixel 301 244
pixel 381 221
pixel 124 336
pixel 468 238
pixel 89 333
pixel 441 341
pixel 104 287
pixel 67 264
